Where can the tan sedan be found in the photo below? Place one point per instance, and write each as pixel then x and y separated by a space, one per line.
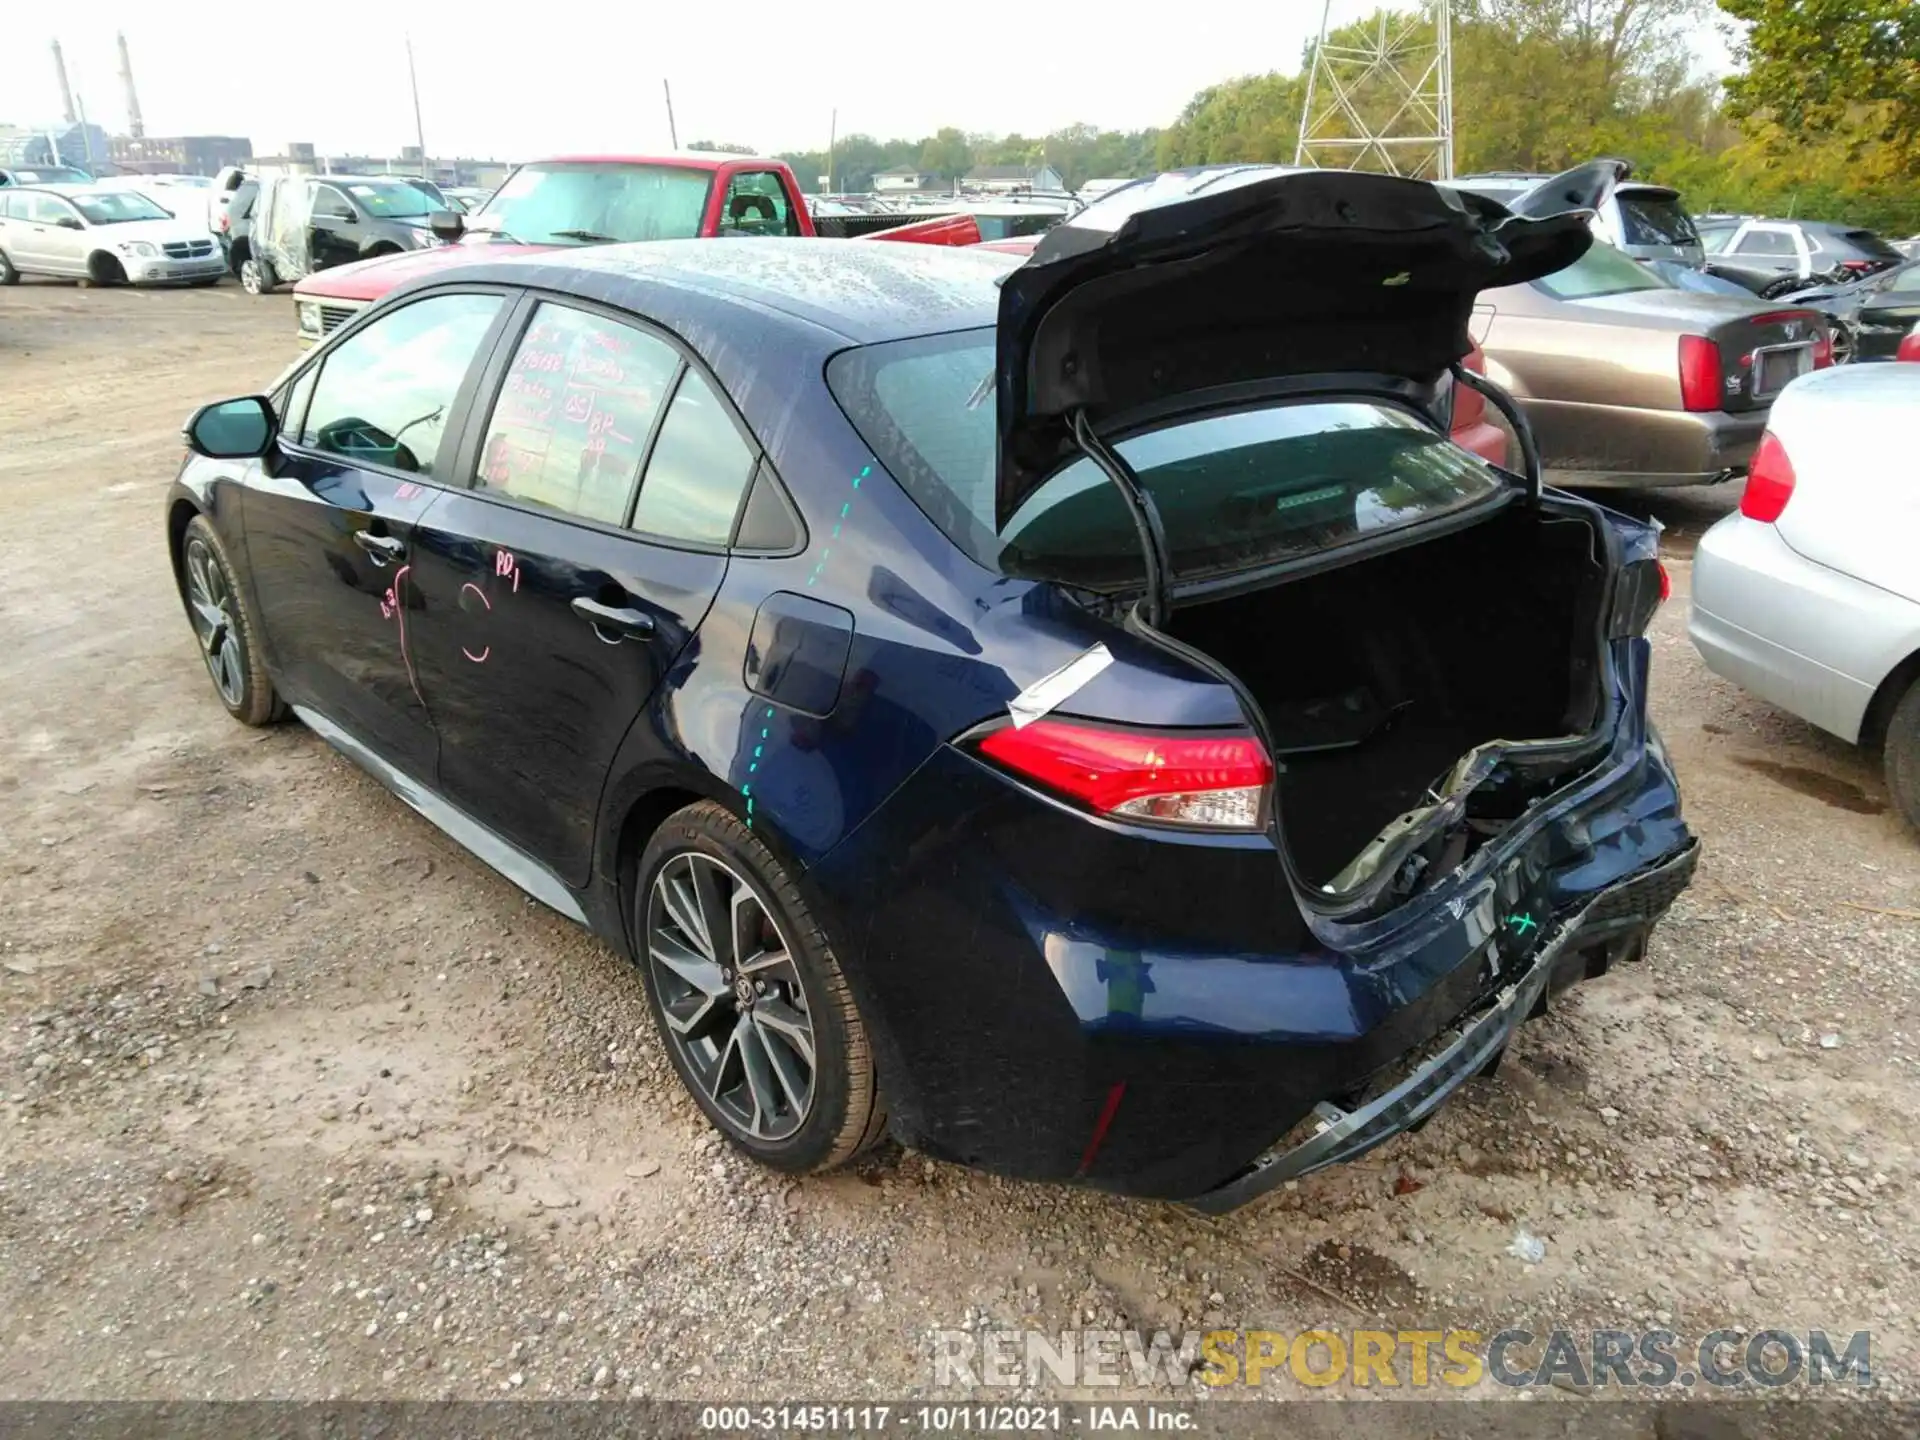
pixel 1627 380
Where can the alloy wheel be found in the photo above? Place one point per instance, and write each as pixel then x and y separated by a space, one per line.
pixel 250 276
pixel 734 1005
pixel 210 600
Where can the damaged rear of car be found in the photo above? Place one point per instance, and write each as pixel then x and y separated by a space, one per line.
pixel 1344 766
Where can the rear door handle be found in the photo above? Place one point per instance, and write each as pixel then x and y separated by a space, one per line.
pixel 624 623
pixel 382 548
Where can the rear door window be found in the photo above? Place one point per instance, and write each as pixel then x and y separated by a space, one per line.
pixel 1235 490
pixel 699 467
pixel 574 414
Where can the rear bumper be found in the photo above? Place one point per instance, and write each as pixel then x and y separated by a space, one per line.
pixel 1796 633
pixel 1626 912
pixel 1056 998
pixel 1608 445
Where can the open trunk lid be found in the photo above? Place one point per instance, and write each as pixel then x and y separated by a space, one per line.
pixel 1197 290
pixel 1225 290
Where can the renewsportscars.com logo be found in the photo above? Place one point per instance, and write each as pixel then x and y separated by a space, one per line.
pixel 1765 1359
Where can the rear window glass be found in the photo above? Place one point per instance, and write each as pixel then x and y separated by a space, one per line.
pixel 1655 220
pixel 1236 489
pixel 1603 270
pixel 1870 245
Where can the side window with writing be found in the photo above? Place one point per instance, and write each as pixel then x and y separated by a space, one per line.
pixel 574 413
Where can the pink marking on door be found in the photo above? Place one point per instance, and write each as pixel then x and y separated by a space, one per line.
pixel 400 614
pixel 479 659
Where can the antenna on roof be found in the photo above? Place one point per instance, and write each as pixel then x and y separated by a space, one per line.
pixel 673 132
pixel 1385 103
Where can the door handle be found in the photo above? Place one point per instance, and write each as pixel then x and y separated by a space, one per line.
pixel 625 623
pixel 381 548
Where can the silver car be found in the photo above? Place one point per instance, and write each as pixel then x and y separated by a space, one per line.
pixel 102 236
pixel 1809 595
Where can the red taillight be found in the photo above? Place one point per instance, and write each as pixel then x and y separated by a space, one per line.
pixel 1699 373
pixel 1666 581
pixel 1769 481
pixel 1216 782
pixel 1822 349
pixel 1910 347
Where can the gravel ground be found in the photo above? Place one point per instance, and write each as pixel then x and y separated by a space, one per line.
pixel 296 1099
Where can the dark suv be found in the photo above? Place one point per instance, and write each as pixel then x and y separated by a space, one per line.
pixel 303 223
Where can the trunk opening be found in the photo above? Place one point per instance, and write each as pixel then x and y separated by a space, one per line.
pixel 1378 678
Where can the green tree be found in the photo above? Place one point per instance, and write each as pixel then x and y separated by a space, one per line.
pixel 723 146
pixel 947 154
pixel 1830 68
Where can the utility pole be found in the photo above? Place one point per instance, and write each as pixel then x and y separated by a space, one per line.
pixel 833 137
pixel 673 132
pixel 419 133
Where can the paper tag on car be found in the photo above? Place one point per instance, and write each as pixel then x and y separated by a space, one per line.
pixel 1051 690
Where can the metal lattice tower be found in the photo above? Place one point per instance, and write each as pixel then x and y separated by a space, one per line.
pixel 1385 104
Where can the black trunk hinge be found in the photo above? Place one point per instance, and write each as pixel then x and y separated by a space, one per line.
pixel 1140 506
pixel 1522 432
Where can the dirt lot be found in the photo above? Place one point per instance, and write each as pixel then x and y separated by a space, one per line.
pixel 296 1099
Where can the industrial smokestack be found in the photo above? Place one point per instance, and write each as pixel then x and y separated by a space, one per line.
pixel 66 90
pixel 135 126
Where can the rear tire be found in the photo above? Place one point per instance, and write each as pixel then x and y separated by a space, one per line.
pixel 8 275
pixel 1903 756
pixel 224 624
pixel 256 276
pixel 749 1001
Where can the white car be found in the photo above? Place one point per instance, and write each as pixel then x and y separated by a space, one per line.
pixel 1809 595
pixel 102 236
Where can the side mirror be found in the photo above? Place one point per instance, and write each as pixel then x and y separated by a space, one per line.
pixel 232 429
pixel 69 222
pixel 446 225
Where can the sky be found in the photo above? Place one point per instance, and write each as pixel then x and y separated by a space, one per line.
pixel 558 79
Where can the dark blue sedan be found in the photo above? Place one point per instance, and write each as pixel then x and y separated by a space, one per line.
pixel 1081 717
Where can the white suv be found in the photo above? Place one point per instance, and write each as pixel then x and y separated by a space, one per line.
pixel 102 237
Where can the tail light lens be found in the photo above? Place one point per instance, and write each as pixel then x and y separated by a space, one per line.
pixel 1206 783
pixel 1700 375
pixel 1822 349
pixel 1910 347
pixel 1666 581
pixel 1769 481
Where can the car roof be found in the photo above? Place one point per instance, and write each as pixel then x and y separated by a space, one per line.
pixel 688 159
pixel 857 291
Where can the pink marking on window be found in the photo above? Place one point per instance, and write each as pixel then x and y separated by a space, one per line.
pixel 477 591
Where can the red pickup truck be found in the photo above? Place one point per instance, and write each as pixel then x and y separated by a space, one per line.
pixel 577 200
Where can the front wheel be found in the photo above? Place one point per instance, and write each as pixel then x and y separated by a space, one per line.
pixel 224 624
pixel 748 997
pixel 1903 756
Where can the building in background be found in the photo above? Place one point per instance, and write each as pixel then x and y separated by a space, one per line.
pixel 1007 179
pixel 60 144
pixel 300 157
pixel 179 154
